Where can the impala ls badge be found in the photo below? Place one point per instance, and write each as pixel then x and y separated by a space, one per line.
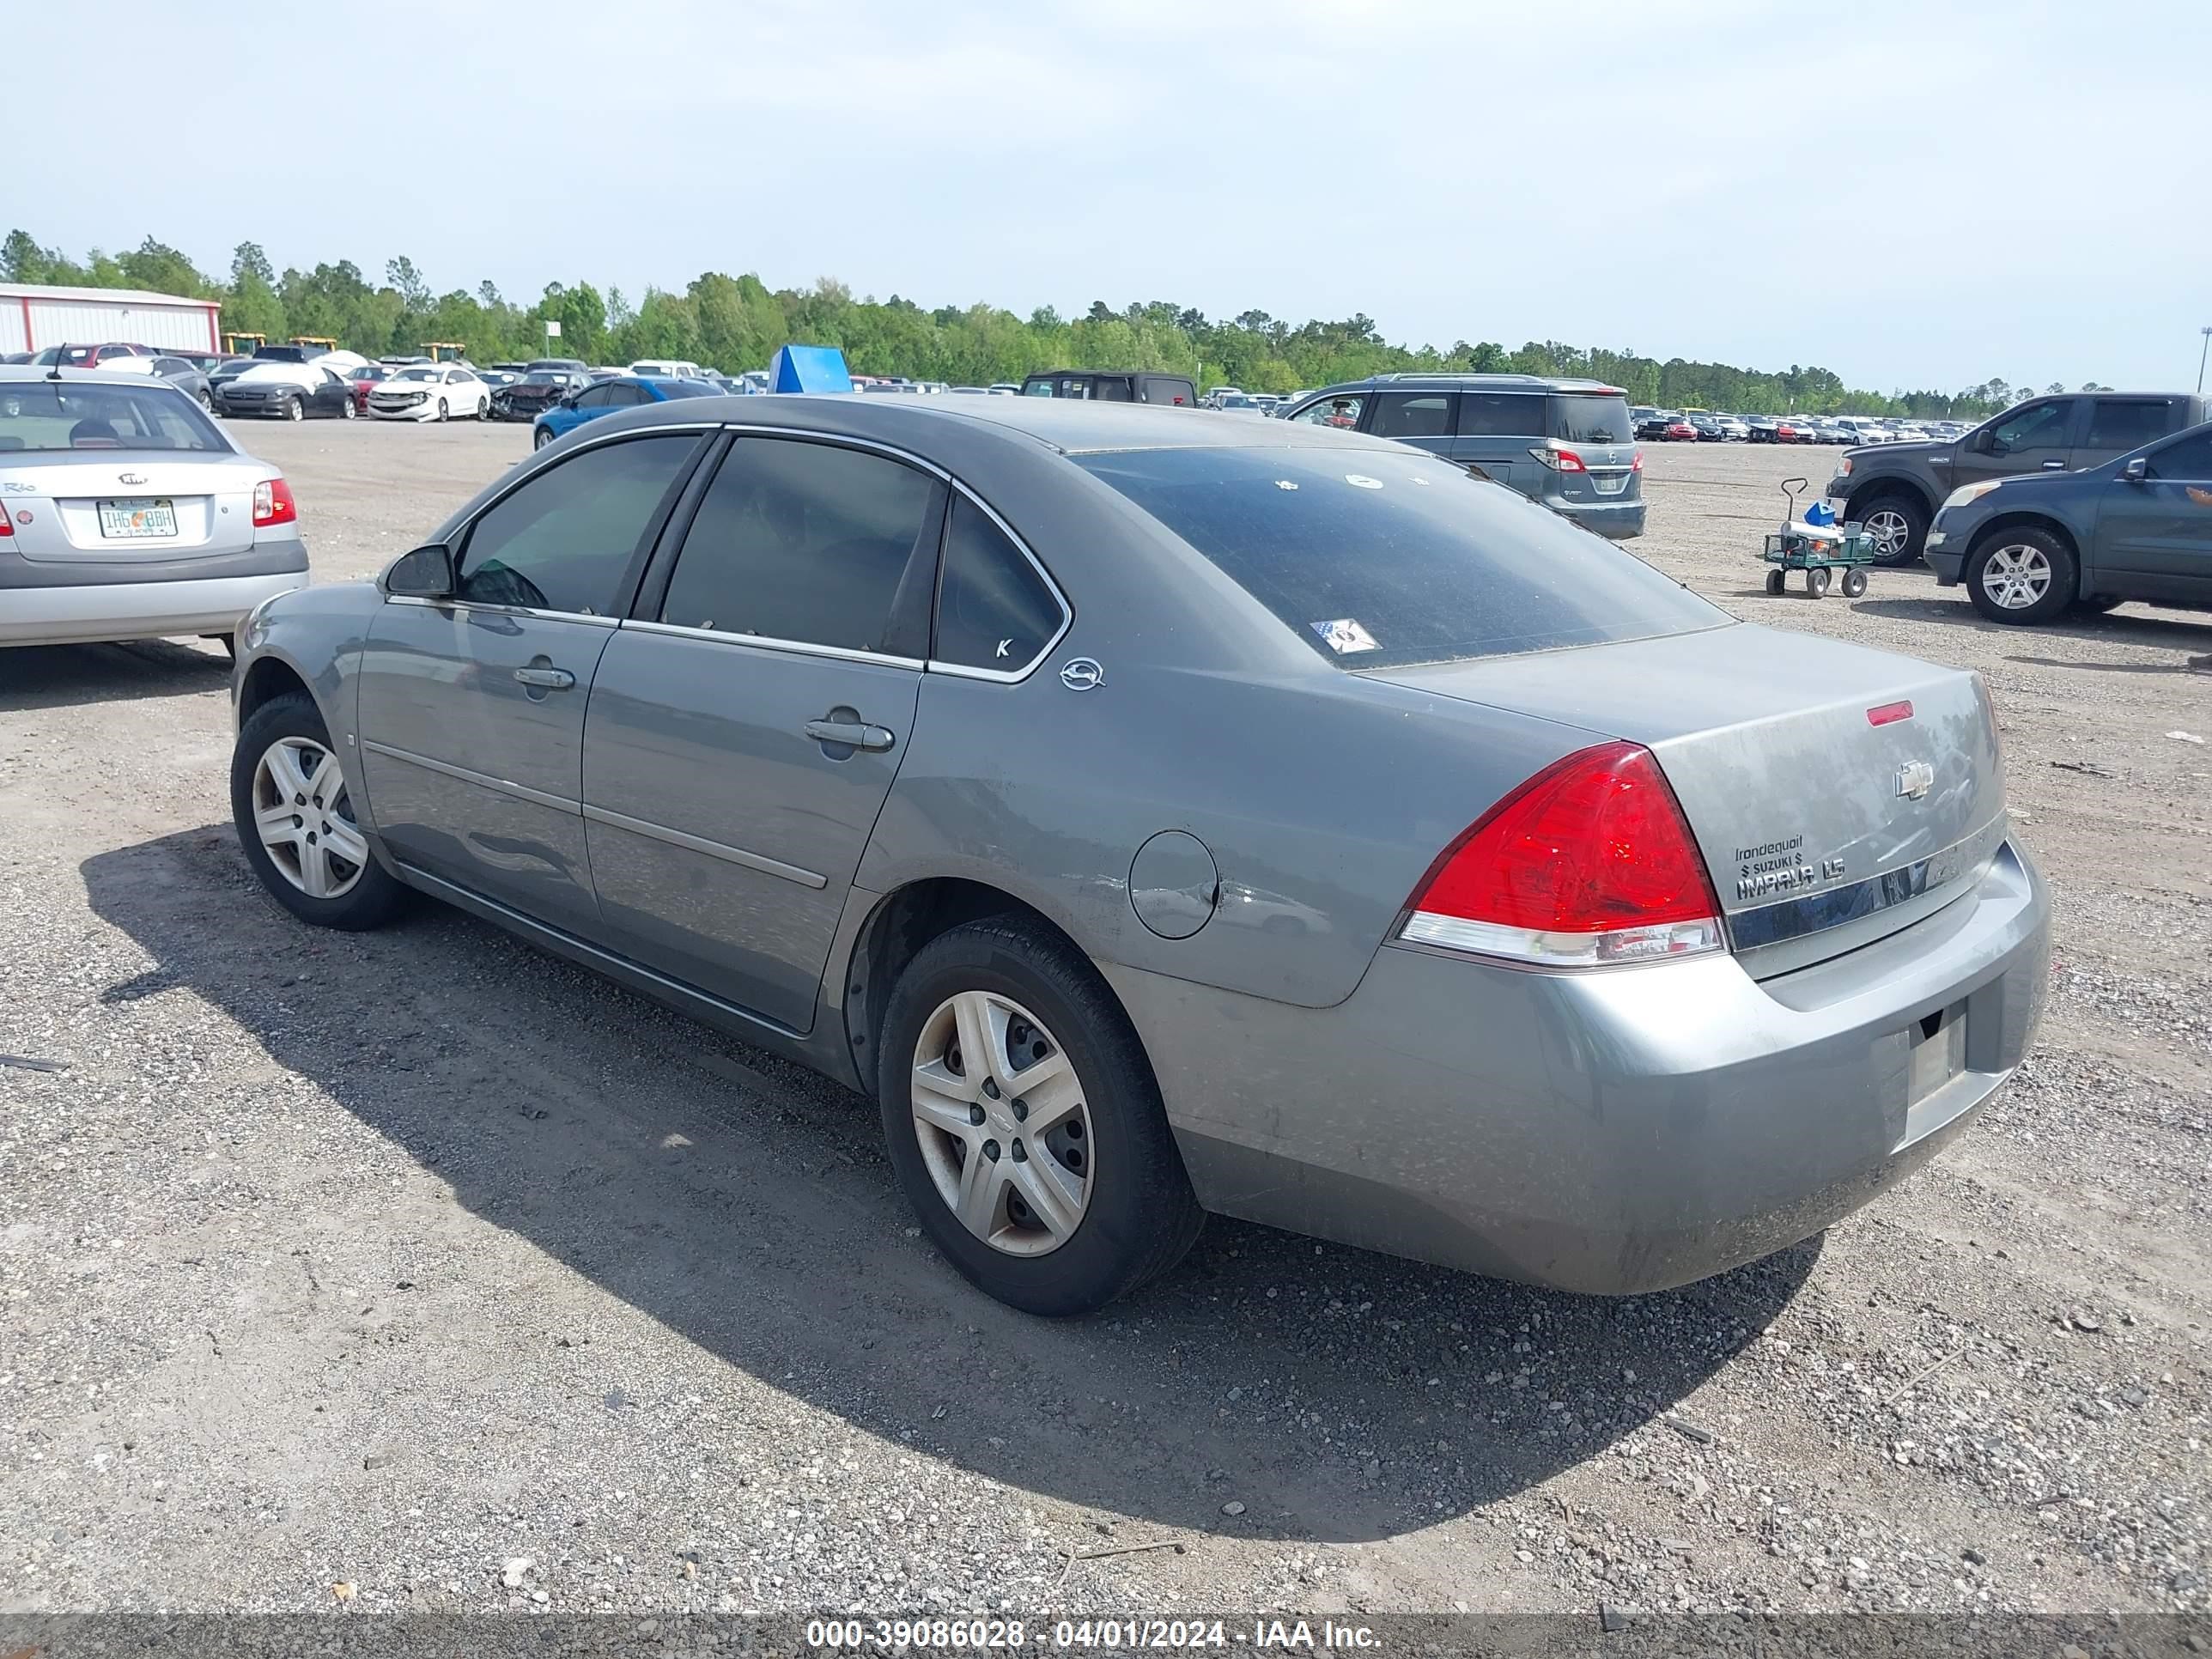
pixel 1082 674
pixel 1915 779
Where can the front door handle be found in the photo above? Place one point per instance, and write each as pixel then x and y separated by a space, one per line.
pixel 2054 466
pixel 553 679
pixel 853 734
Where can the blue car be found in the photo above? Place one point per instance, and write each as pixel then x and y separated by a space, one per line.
pixel 627 392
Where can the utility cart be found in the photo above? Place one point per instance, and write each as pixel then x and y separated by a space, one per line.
pixel 1818 549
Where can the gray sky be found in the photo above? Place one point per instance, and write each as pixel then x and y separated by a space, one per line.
pixel 1911 194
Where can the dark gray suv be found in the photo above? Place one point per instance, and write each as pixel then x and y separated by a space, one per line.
pixel 1566 444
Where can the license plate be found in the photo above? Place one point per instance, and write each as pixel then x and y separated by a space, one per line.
pixel 1934 1060
pixel 1609 486
pixel 123 521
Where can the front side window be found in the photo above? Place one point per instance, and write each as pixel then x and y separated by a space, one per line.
pixel 1413 415
pixel 2190 458
pixel 994 610
pixel 1342 412
pixel 564 540
pixel 600 396
pixel 2117 424
pixel 809 542
pixel 1446 567
pixel 2038 426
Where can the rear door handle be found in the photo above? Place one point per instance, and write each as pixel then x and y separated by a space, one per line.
pixel 554 680
pixel 2054 466
pixel 853 734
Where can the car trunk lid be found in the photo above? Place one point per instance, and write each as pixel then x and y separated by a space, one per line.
pixel 1836 794
pixel 159 506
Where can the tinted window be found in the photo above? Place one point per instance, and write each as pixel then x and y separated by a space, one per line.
pixel 685 389
pixel 2038 426
pixel 1169 391
pixel 38 414
pixel 994 610
pixel 2123 426
pixel 1500 414
pixel 2191 457
pixel 1413 415
pixel 805 542
pixel 1591 420
pixel 1342 412
pixel 1037 388
pixel 564 541
pixel 1447 567
pixel 1111 389
pixel 600 396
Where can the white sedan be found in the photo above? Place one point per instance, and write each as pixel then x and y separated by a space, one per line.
pixel 431 391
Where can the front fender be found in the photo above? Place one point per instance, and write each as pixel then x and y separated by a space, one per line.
pixel 312 636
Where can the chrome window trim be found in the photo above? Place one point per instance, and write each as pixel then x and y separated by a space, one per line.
pixel 794 647
pixel 715 849
pixel 502 786
pixel 589 618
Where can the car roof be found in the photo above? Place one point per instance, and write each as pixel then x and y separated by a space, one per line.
pixel 1071 425
pixel 1471 382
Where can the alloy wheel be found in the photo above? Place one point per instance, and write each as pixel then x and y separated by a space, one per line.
pixel 2016 577
pixel 301 813
pixel 1889 531
pixel 1002 1123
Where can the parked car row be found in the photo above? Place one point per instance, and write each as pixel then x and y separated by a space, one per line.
pixel 1705 426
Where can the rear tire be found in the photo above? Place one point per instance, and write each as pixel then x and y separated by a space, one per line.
pixel 1774 581
pixel 1896 524
pixel 544 437
pixel 1817 580
pixel 1855 583
pixel 369 897
pixel 1137 1215
pixel 346 409
pixel 2020 575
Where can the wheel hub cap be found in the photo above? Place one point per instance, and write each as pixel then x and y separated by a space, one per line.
pixel 1000 1118
pixel 2016 577
pixel 1886 529
pixel 304 819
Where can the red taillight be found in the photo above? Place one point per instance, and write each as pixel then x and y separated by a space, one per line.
pixel 273 503
pixel 6 528
pixel 1559 460
pixel 1591 862
pixel 1889 713
pixel 1637 465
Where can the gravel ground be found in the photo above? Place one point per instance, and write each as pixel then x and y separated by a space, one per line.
pixel 419 1270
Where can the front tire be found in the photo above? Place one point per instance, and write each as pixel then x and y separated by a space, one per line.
pixel 483 409
pixel 544 437
pixel 1897 528
pixel 296 822
pixel 296 409
pixel 1057 1222
pixel 2020 576
pixel 441 409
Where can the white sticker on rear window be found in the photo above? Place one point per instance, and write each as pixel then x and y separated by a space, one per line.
pixel 1361 480
pixel 1344 635
pixel 1286 484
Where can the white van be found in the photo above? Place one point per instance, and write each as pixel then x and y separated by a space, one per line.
pixel 652 369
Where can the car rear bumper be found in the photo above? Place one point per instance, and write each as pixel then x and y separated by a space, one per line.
pixel 136 611
pixel 1617 519
pixel 1613 1133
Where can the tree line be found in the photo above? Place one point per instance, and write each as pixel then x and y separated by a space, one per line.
pixel 734 323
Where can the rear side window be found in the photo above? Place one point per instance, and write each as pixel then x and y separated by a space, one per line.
pixel 1580 420
pixel 994 610
pixel 1378 558
pixel 2119 425
pixel 809 542
pixel 1413 415
pixel 1500 414
pixel 564 541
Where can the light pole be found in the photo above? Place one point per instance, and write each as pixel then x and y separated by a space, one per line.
pixel 2201 350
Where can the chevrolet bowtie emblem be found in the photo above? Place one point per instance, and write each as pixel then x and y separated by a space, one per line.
pixel 1915 779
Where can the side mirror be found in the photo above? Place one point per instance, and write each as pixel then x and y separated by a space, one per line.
pixel 1989 443
pixel 425 574
pixel 2137 470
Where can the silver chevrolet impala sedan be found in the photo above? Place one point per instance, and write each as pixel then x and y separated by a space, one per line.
pixel 1159 814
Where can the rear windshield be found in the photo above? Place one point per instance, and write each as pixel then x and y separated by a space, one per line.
pixel 1592 420
pixel 686 388
pixel 48 415
pixel 1377 559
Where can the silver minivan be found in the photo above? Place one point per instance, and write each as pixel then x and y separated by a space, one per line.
pixel 1566 444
